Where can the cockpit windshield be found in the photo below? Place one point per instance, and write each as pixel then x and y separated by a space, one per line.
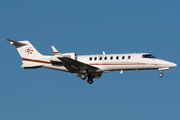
pixel 148 56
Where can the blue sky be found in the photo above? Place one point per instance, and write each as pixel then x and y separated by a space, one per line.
pixel 90 27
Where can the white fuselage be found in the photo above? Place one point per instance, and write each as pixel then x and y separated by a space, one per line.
pixel 118 62
pixel 91 66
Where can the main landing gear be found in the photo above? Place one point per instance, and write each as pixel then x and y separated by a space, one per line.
pixel 83 76
pixel 89 80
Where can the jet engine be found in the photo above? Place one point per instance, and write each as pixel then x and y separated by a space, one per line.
pixel 70 55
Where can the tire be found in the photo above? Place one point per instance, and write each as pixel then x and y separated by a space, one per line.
pixel 83 76
pixel 90 81
pixel 160 75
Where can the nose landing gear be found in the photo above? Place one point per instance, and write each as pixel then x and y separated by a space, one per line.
pixel 160 74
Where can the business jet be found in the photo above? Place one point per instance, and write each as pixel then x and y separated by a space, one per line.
pixel 88 66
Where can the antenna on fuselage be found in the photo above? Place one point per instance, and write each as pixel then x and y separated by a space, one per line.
pixel 103 52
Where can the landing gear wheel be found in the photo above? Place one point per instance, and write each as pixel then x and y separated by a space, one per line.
pixel 90 81
pixel 83 76
pixel 160 75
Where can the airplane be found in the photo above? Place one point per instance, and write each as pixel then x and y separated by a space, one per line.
pixel 88 66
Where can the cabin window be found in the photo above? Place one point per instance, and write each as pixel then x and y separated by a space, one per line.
pixel 129 57
pixel 100 58
pixel 95 58
pixel 117 57
pixel 123 57
pixel 105 58
pixel 111 58
pixel 90 58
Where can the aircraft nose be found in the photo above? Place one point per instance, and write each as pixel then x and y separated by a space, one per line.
pixel 171 64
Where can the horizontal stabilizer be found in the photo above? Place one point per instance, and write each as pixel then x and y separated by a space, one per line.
pixel 27 64
pixel 17 43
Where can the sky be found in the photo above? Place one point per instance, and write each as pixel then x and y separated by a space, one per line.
pixel 90 27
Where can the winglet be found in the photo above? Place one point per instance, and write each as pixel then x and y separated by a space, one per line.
pixel 55 51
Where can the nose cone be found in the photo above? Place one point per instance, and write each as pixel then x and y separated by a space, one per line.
pixel 165 64
pixel 171 64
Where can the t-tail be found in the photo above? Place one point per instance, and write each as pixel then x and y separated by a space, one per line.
pixel 30 56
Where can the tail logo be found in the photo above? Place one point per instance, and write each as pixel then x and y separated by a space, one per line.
pixel 28 50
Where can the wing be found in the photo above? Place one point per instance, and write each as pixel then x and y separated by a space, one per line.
pixel 76 66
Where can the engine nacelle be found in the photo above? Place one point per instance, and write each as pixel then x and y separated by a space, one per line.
pixel 70 55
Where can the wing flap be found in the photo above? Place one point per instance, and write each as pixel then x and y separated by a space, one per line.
pixel 70 68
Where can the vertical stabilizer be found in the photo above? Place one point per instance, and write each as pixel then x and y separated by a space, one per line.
pixel 26 49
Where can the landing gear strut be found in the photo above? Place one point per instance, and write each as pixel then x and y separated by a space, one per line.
pixel 90 79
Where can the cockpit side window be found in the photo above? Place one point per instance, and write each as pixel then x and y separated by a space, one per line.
pixel 148 56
